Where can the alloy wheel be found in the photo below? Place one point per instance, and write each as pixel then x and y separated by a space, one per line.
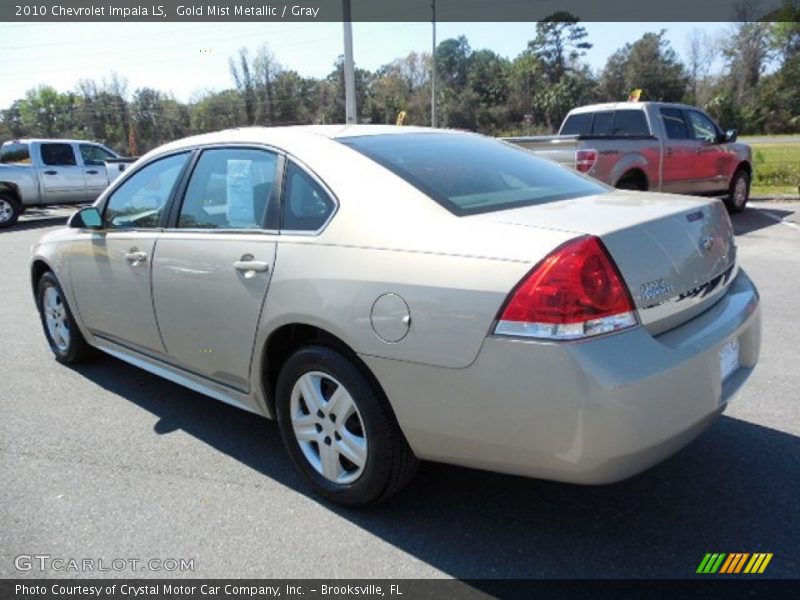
pixel 328 427
pixel 6 210
pixel 55 317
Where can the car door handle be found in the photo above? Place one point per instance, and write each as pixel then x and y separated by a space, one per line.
pixel 251 265
pixel 668 151
pixel 135 257
pixel 92 172
pixel 51 172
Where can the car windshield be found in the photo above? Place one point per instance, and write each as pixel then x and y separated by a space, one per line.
pixel 470 174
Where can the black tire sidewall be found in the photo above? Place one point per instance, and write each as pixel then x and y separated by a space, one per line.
pixel 70 354
pixel 372 483
pixel 632 183
pixel 740 174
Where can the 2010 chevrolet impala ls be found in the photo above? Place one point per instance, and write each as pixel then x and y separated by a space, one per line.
pixel 394 294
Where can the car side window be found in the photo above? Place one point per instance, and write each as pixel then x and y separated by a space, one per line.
pixel 675 124
pixel 58 155
pixel 94 156
pixel 230 188
pixel 306 206
pixel 139 202
pixel 703 127
pixel 630 123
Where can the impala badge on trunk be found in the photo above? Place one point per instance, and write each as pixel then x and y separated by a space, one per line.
pixel 653 290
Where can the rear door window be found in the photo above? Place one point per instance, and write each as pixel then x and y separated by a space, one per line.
pixel 58 155
pixel 230 188
pixel 675 124
pixel 630 123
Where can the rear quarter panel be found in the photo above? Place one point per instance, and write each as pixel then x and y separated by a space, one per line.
pixel 617 157
pixel 21 181
pixel 388 238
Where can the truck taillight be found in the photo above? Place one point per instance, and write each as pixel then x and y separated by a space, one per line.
pixel 585 159
pixel 576 292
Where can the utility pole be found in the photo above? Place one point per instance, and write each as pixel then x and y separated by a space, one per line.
pixel 349 69
pixel 433 65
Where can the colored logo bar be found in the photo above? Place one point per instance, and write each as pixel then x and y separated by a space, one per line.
pixel 734 562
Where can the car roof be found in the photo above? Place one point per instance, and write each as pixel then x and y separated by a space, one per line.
pixel 292 138
pixel 50 140
pixel 626 105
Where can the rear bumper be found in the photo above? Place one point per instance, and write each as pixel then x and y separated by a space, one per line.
pixel 587 412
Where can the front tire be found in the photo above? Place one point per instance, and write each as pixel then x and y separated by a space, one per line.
pixel 10 210
pixel 339 429
pixel 739 192
pixel 62 333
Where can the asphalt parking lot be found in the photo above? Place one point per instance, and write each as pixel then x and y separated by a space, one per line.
pixel 107 461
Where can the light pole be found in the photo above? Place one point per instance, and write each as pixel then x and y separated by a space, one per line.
pixel 433 65
pixel 349 70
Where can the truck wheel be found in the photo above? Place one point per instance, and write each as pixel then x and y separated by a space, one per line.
pixel 10 210
pixel 739 192
pixel 632 181
pixel 339 430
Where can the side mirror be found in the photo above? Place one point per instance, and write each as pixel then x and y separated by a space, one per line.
pixel 731 135
pixel 86 218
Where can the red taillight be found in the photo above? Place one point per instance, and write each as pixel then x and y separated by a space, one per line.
pixel 585 159
pixel 575 292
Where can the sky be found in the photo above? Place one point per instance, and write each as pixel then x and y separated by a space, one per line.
pixel 187 59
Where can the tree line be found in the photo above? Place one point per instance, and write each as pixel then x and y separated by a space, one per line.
pixel 757 90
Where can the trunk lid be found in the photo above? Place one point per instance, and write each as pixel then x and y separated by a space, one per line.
pixel 676 254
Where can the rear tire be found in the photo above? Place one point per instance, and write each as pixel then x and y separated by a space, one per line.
pixel 339 429
pixel 10 210
pixel 739 192
pixel 632 181
pixel 62 333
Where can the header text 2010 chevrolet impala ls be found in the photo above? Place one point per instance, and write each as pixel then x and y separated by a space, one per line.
pixel 394 294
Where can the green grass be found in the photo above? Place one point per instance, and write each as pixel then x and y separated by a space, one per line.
pixel 777 169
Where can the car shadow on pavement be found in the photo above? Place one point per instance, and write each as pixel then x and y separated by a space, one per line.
pixel 752 220
pixel 38 223
pixel 735 489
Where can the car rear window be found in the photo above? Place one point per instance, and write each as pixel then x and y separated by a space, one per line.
pixel 578 124
pixel 15 153
pixel 602 123
pixel 624 122
pixel 470 174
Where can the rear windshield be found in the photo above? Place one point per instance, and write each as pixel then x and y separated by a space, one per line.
pixel 630 122
pixel 624 122
pixel 15 153
pixel 470 174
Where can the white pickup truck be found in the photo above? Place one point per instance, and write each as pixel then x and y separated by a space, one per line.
pixel 36 172
pixel 651 146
